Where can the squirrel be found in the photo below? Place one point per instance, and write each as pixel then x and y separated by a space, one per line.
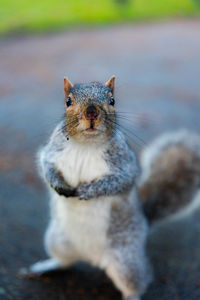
pixel 102 204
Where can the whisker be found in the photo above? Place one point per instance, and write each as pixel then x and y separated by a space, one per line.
pixel 128 130
pixel 134 145
pixel 138 121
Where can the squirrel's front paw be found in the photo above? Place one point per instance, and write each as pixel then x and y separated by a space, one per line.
pixel 82 191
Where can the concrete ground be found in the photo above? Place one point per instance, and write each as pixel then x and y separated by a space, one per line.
pixel 158 88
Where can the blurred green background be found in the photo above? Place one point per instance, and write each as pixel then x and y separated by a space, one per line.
pixel 25 16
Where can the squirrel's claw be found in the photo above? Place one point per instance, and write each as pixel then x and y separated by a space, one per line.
pixel 27 273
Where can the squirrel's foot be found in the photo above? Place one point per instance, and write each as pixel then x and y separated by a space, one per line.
pixel 40 268
pixel 82 191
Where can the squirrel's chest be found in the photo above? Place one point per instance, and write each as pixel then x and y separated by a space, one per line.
pixel 82 163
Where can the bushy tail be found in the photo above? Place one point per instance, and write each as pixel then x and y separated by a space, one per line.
pixel 170 175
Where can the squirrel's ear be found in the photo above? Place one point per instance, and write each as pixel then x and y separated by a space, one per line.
pixel 67 86
pixel 111 83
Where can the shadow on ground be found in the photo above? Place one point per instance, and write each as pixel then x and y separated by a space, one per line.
pixel 158 70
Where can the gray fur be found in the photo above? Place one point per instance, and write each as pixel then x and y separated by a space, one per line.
pixel 127 233
pixel 170 174
pixel 51 174
pixel 90 92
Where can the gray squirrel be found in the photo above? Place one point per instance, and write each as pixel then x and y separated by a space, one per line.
pixel 101 204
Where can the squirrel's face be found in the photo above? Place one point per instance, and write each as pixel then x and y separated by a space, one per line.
pixel 90 112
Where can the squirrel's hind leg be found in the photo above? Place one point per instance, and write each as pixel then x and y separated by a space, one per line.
pixel 127 280
pixel 126 262
pixel 60 250
pixel 59 247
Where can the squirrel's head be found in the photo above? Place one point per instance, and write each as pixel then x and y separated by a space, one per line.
pixel 90 112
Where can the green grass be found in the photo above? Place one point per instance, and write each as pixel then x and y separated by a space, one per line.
pixel 46 15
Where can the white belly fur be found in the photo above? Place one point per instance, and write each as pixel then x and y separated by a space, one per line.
pixel 82 163
pixel 84 223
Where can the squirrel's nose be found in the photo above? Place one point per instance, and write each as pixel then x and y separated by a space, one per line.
pixel 91 112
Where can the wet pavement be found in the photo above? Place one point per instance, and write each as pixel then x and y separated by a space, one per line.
pixel 158 88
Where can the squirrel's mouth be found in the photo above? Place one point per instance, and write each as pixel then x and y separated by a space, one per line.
pixel 92 127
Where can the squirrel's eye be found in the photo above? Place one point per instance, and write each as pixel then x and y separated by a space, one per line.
pixel 112 101
pixel 68 101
